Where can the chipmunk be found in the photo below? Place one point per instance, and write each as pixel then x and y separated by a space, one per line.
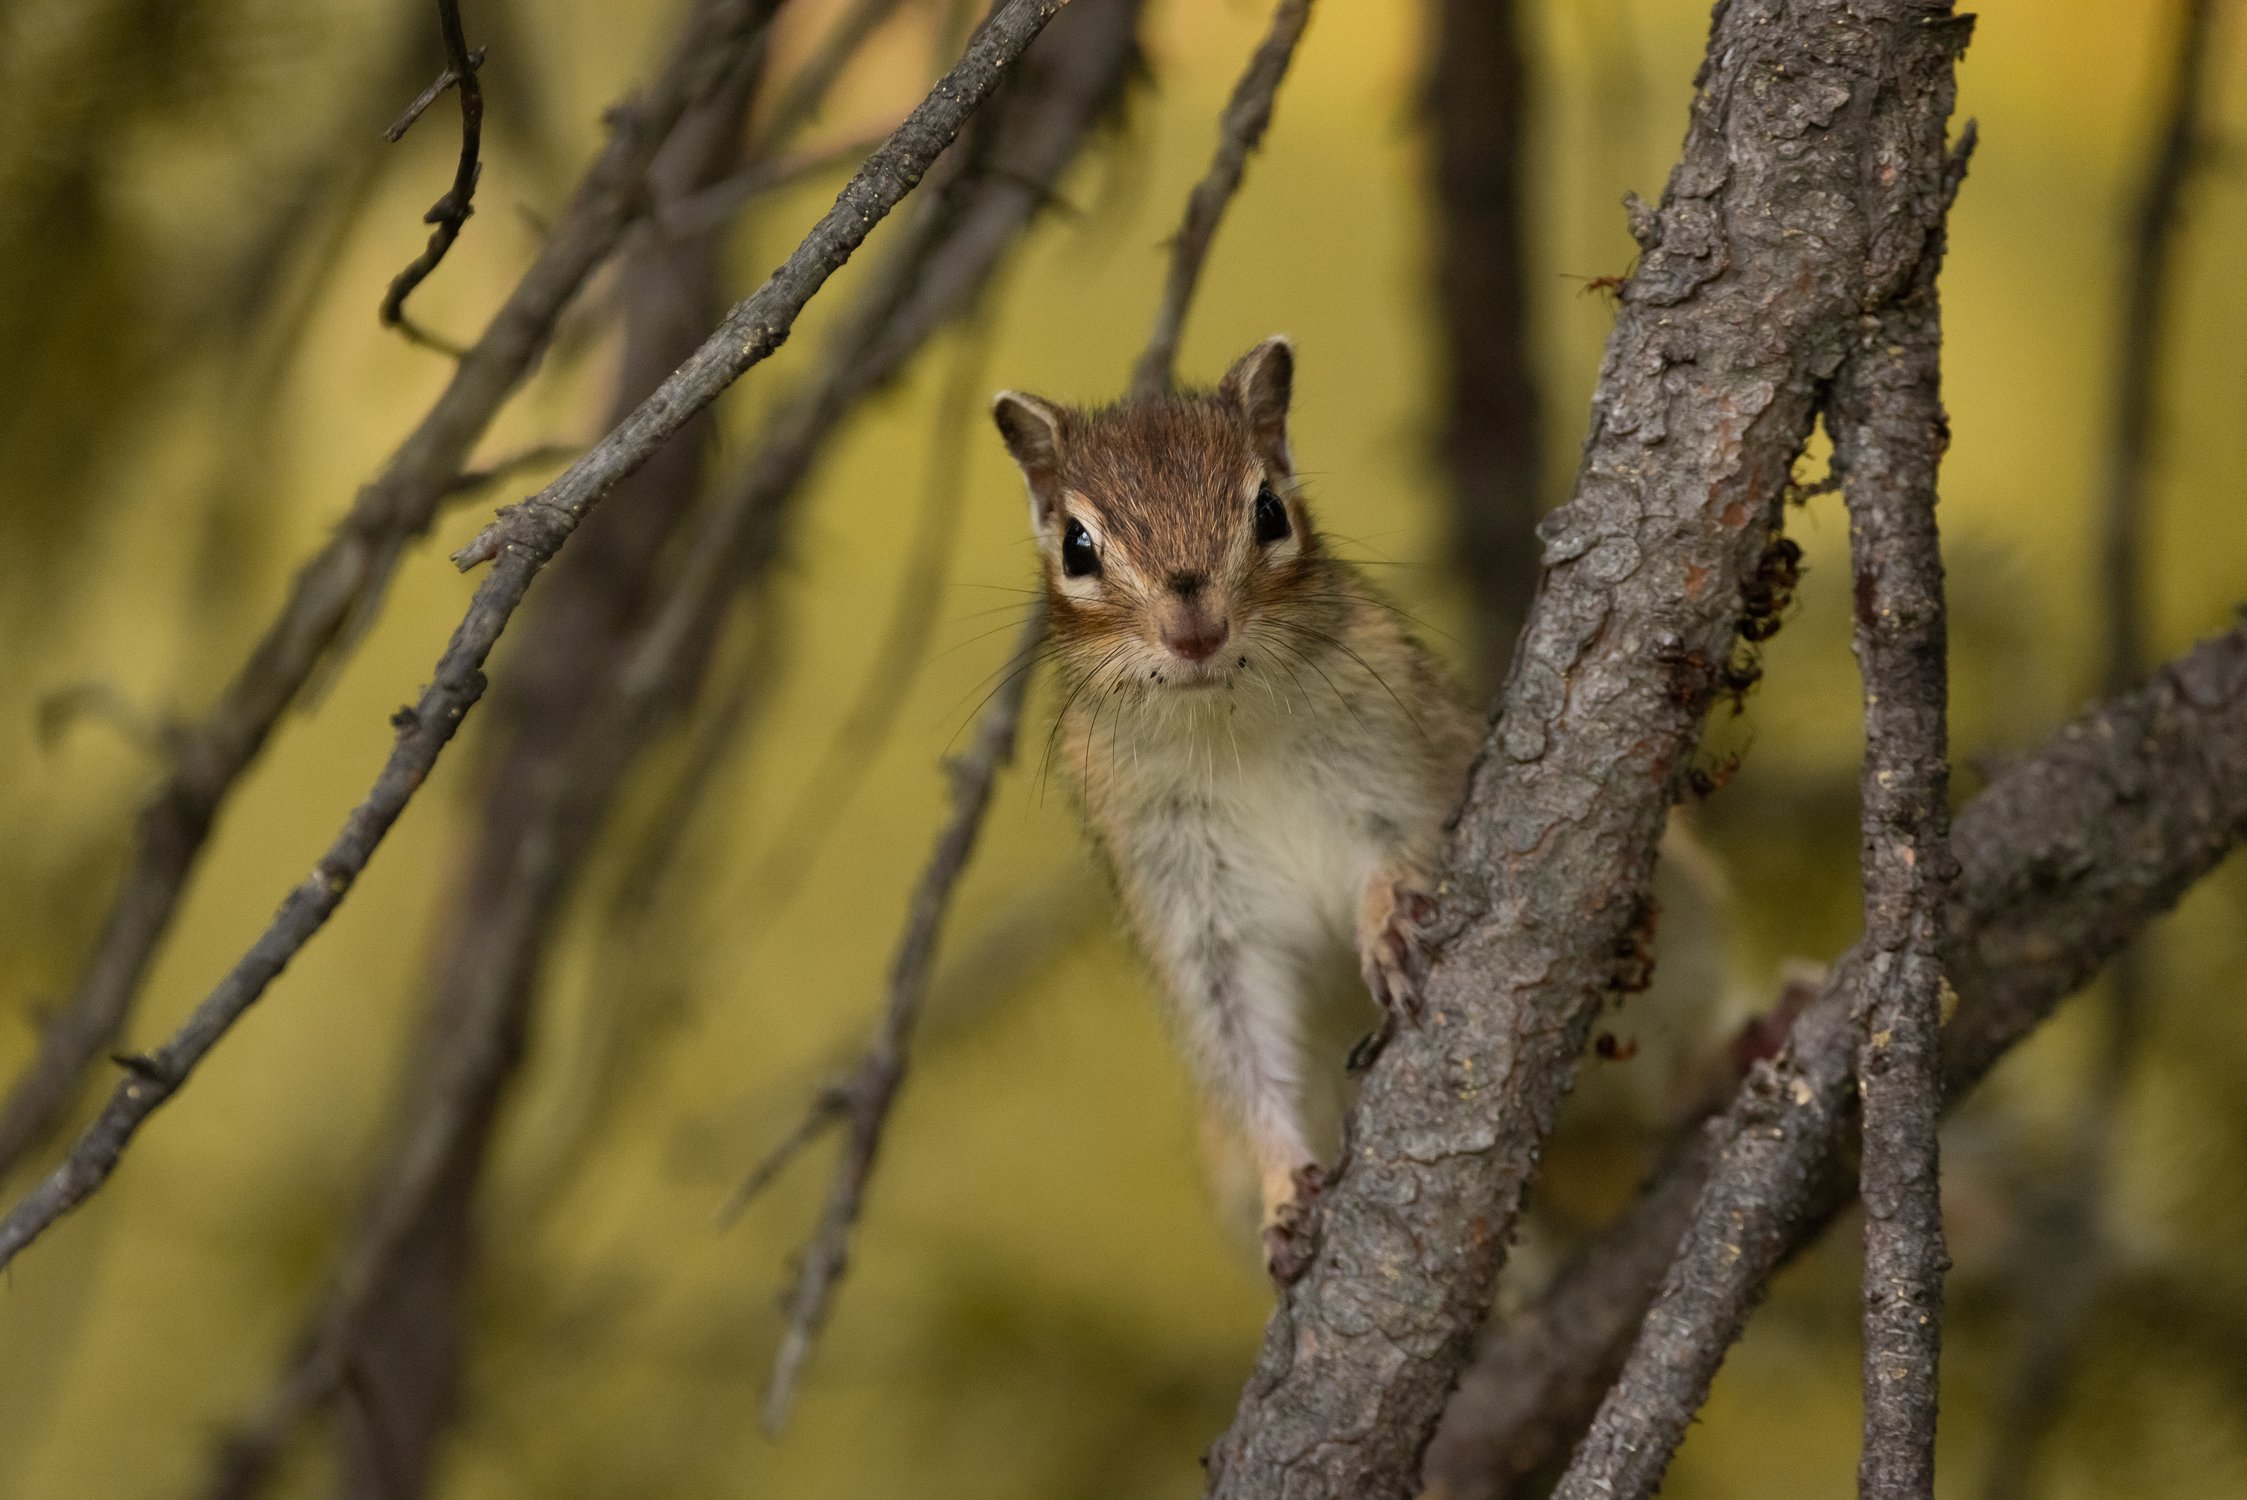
pixel 1265 754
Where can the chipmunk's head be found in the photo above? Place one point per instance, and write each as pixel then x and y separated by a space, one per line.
pixel 1175 548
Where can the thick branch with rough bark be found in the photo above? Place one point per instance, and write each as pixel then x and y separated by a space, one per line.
pixel 1776 231
pixel 2062 860
pixel 520 543
pixel 339 590
pixel 861 1100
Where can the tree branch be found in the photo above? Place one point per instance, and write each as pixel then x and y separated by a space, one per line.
pixel 520 542
pixel 2061 861
pixel 1248 114
pixel 2066 855
pixel 451 211
pixel 863 1098
pixel 1771 238
pixel 341 587
pixel 602 681
pixel 1889 432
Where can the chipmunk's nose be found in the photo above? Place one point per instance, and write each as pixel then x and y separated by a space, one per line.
pixel 1189 629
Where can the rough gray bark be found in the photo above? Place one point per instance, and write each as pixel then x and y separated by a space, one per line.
pixel 1772 238
pixel 520 543
pixel 2061 861
pixel 1493 449
pixel 1889 432
pixel 2067 854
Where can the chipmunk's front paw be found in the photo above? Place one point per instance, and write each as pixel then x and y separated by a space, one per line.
pixel 1394 954
pixel 1288 1238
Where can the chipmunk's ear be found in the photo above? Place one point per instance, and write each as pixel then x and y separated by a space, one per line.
pixel 1032 429
pixel 1259 386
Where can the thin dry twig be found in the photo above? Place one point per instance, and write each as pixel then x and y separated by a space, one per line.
pixel 557 803
pixel 2067 854
pixel 340 589
pixel 1889 432
pixel 862 1099
pixel 520 542
pixel 1248 114
pixel 451 211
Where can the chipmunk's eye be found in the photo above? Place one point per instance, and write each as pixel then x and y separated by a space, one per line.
pixel 1078 558
pixel 1271 516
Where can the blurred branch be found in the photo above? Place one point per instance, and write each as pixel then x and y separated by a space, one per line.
pixel 451 211
pixel 590 697
pixel 520 542
pixel 2062 860
pixel 1776 231
pixel 511 466
pixel 863 1096
pixel 807 90
pixel 2062 1255
pixel 1240 130
pixel 1478 112
pixel 1886 417
pixel 881 694
pixel 341 587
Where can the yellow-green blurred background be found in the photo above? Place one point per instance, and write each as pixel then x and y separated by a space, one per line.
pixel 1043 1302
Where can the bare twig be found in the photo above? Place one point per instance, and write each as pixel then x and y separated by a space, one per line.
pixel 512 465
pixel 2061 1253
pixel 799 104
pixel 1889 432
pixel 706 208
pixel 553 798
pixel 904 645
pixel 1773 236
pixel 520 542
pixel 1492 443
pixel 863 1100
pixel 871 1086
pixel 341 587
pixel 1239 131
pixel 452 210
pixel 2066 855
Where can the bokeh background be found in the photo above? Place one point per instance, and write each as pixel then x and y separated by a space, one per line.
pixel 197 217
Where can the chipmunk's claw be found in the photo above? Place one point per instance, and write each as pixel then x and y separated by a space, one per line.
pixel 1290 1240
pixel 1396 960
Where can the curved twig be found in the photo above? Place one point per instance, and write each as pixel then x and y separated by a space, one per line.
pixel 451 211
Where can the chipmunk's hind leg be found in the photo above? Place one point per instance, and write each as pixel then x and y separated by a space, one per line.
pixel 1242 1013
